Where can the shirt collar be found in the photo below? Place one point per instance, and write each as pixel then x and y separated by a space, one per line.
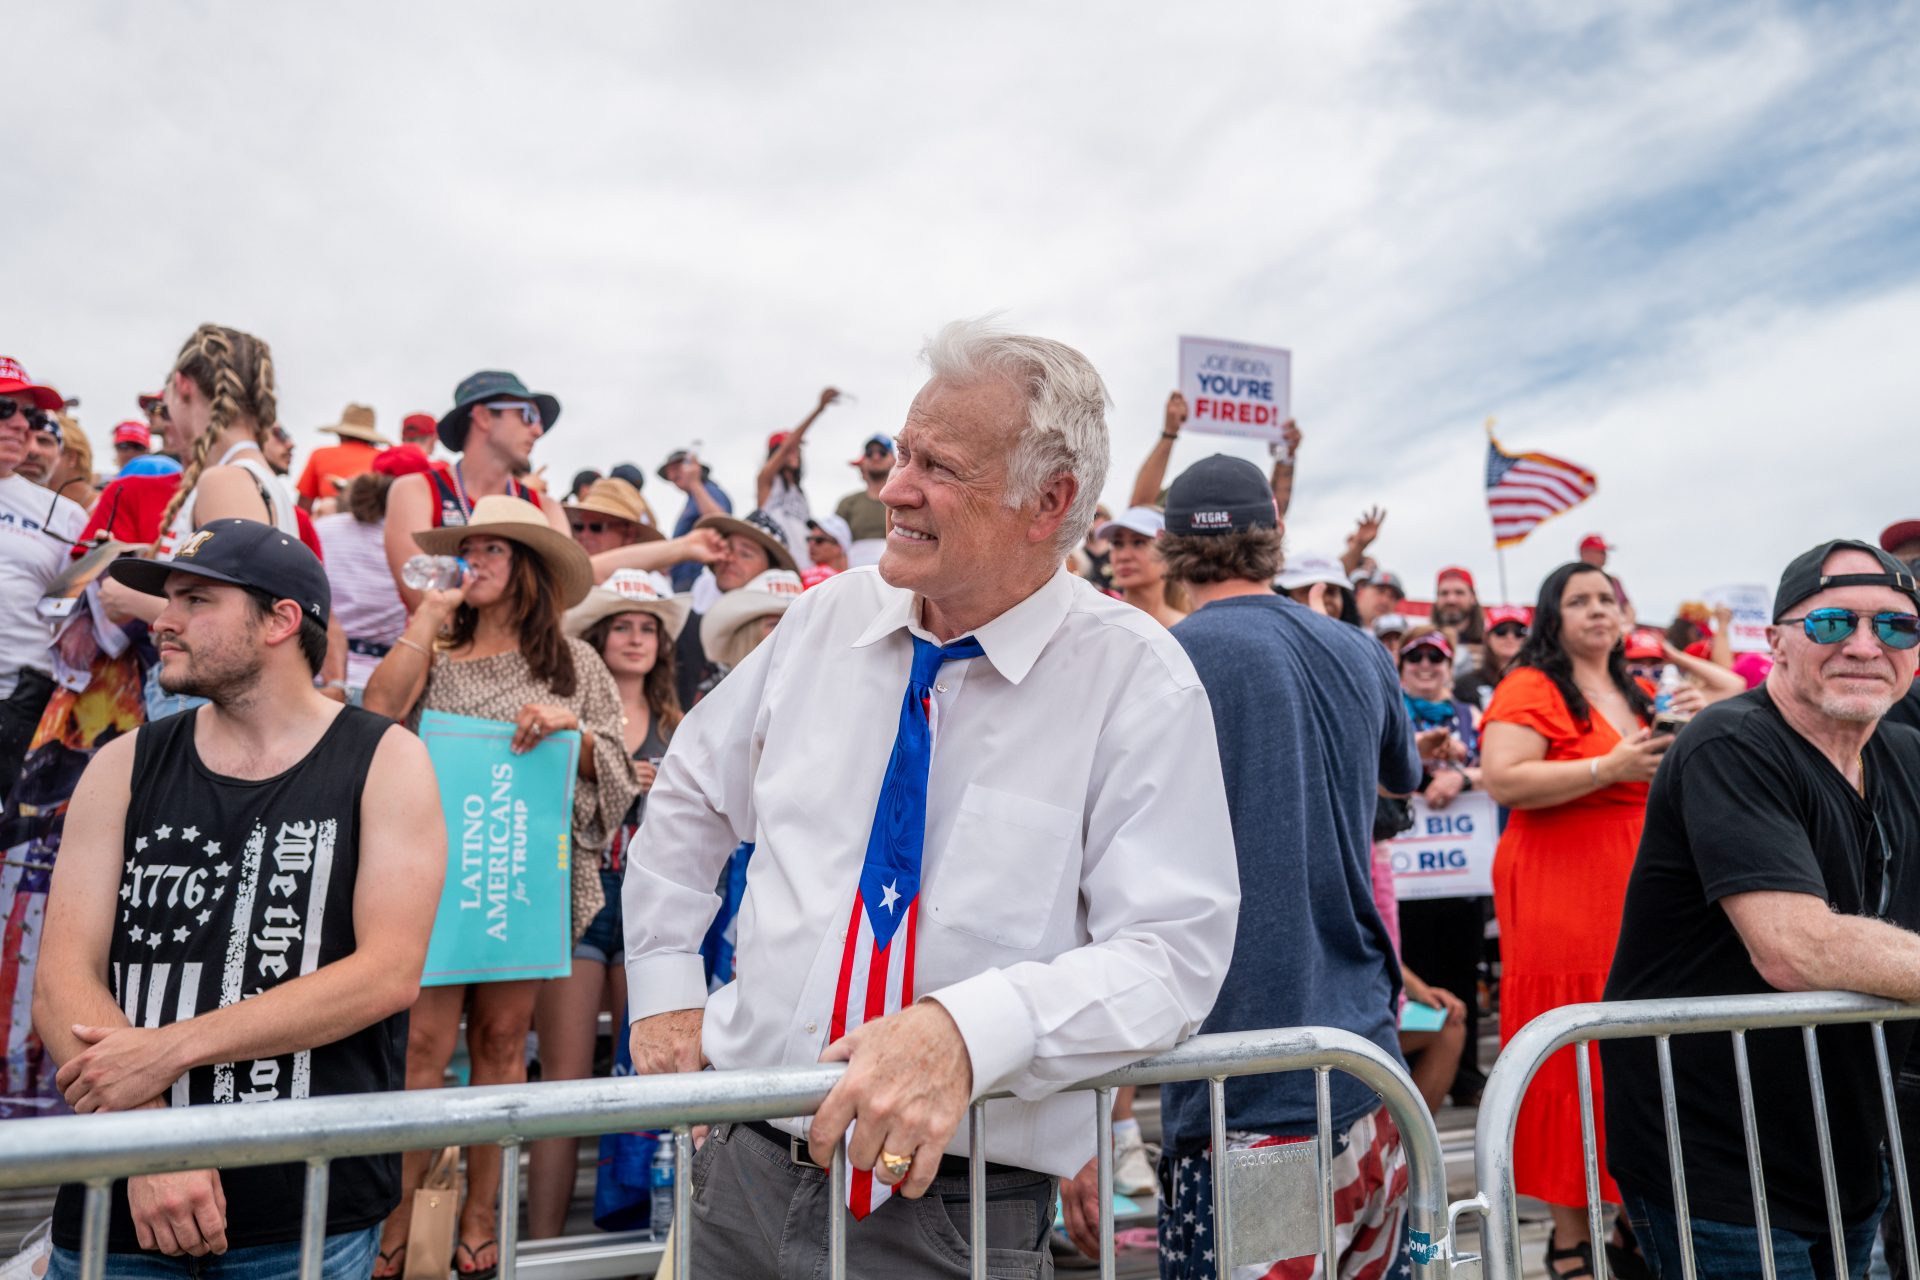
pixel 1012 641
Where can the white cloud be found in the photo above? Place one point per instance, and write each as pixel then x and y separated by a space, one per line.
pixel 1635 233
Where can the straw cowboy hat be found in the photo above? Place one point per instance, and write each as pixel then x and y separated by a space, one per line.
pixel 356 423
pixel 612 496
pixel 630 591
pixel 517 520
pixel 724 630
pixel 761 528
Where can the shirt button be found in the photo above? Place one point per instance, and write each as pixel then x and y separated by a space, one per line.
pixel 812 1027
pixel 940 688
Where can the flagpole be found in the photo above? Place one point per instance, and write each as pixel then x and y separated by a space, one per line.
pixel 1499 552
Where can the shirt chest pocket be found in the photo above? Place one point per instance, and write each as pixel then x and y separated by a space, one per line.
pixel 1001 867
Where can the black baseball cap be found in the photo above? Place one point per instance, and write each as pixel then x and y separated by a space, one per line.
pixel 1220 494
pixel 1803 577
pixel 241 553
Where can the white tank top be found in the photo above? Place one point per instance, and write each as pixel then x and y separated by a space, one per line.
pixel 272 490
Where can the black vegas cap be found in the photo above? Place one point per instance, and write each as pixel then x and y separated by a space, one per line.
pixel 241 553
pixel 1803 577
pixel 1220 494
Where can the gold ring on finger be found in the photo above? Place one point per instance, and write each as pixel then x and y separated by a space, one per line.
pixel 896 1166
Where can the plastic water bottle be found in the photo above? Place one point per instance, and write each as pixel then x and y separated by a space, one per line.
pixel 1665 718
pixel 433 573
pixel 660 1178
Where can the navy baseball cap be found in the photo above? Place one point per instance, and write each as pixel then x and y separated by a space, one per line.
pixel 1803 577
pixel 241 553
pixel 1220 494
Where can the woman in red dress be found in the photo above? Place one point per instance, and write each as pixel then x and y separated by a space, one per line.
pixel 1565 745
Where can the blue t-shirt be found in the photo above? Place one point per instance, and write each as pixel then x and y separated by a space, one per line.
pixel 685 572
pixel 1309 719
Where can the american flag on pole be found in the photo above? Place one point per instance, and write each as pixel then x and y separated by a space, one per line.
pixel 1525 488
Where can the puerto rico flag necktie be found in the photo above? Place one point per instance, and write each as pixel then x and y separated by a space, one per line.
pixel 876 969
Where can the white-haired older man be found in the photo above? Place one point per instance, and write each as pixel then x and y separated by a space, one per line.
pixel 1778 854
pixel 1050 894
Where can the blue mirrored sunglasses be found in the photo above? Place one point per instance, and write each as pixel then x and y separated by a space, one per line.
pixel 529 413
pixel 1831 626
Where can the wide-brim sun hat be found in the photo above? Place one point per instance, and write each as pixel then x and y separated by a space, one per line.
pixel 483 387
pixel 516 520
pixel 761 528
pixel 1306 569
pixel 356 423
pixel 1145 521
pixel 612 496
pixel 771 592
pixel 630 591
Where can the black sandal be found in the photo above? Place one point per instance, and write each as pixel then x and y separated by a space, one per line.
pixel 397 1256
pixel 1624 1259
pixel 473 1251
pixel 1581 1253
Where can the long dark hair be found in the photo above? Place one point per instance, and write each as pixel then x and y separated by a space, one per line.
pixel 533 603
pixel 1544 652
pixel 660 688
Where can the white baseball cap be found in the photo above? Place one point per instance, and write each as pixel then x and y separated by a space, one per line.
pixel 1145 521
pixel 1308 568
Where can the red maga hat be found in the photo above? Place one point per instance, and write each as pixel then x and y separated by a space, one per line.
pixel 1899 533
pixel 1455 571
pixel 15 382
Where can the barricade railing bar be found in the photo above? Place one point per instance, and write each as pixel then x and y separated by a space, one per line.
pixel 95 1150
pixel 1497 1203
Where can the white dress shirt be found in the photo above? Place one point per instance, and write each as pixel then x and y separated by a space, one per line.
pixel 1079 887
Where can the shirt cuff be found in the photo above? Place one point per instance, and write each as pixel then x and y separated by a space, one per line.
pixel 665 982
pixel 994 1024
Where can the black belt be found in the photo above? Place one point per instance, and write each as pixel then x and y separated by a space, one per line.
pixel 796 1149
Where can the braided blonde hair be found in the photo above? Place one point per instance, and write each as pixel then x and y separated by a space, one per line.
pixel 234 370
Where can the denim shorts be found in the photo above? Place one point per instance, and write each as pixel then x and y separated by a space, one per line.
pixel 604 942
pixel 348 1256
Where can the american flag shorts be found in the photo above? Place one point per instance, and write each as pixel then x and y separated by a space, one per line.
pixel 1369 1208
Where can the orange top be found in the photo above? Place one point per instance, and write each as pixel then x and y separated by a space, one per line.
pixel 341 461
pixel 1527 697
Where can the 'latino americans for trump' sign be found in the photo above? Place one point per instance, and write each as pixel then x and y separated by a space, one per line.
pixel 1235 388
pixel 506 911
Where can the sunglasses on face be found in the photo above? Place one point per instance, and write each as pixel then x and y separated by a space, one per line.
pixel 1508 630
pixel 1424 653
pixel 597 526
pixel 822 540
pixel 875 451
pixel 1831 626
pixel 37 419
pixel 529 414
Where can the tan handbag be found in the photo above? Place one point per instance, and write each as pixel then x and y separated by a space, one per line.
pixel 436 1217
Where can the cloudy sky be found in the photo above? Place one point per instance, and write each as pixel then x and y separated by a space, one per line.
pixel 1675 243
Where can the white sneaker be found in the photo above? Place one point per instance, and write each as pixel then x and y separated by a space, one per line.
pixel 1133 1173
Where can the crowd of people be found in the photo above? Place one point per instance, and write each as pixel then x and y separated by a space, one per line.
pixel 1172 754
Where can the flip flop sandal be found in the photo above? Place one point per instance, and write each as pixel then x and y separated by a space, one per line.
pixel 396 1257
pixel 482 1273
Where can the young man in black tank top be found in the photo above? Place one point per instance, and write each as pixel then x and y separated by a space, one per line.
pixel 241 910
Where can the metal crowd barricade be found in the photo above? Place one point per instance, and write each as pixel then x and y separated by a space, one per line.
pixel 95 1150
pixel 1579 1025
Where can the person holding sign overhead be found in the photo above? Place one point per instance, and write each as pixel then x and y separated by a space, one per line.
pixel 493 648
pixel 1567 745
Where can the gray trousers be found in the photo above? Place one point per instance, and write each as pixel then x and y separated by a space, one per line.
pixel 759 1216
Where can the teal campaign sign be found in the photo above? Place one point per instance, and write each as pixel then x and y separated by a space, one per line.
pixel 507 909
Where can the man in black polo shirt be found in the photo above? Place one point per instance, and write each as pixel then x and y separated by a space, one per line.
pixel 1777 855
